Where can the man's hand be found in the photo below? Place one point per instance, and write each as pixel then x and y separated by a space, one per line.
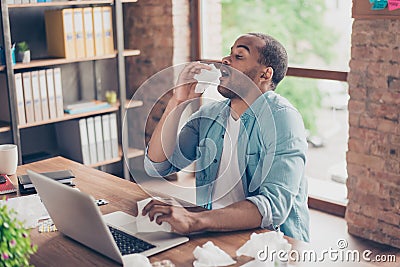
pixel 187 83
pixel 181 220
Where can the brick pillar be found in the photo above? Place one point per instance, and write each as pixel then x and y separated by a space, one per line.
pixel 160 30
pixel 373 157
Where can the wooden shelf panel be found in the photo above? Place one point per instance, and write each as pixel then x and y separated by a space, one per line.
pixel 4 127
pixel 60 61
pixel 105 162
pixel 133 104
pixel 70 117
pixel 63 3
pixel 131 52
pixel 134 152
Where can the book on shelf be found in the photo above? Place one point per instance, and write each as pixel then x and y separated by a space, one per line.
pixel 37 103
pixel 92 140
pixel 107 137
pixel 88 31
pixel 7 187
pixel 98 31
pixel 86 106
pixel 20 99
pixel 60 33
pixel 99 138
pixel 43 94
pixel 114 135
pixel 51 93
pixel 78 31
pixel 58 92
pixel 108 30
pixel 29 110
pixel 72 139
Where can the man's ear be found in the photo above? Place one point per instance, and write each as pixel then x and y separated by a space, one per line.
pixel 267 74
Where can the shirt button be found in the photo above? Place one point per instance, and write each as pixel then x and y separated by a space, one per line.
pixel 215 160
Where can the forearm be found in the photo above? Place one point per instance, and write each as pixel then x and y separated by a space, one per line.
pixel 163 139
pixel 229 218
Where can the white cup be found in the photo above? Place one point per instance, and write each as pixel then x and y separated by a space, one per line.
pixel 8 159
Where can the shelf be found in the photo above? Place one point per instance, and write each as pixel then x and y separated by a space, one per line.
pixel 128 1
pixel 63 3
pixel 4 127
pixel 105 162
pixel 70 117
pixel 132 153
pixel 131 52
pixel 133 104
pixel 59 61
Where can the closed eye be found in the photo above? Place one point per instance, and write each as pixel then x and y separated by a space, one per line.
pixel 239 56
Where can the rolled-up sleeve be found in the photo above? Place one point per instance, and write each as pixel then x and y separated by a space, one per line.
pixel 264 208
pixel 282 181
pixel 157 169
pixel 184 152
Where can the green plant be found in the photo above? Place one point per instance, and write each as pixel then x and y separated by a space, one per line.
pixel 15 243
pixel 22 46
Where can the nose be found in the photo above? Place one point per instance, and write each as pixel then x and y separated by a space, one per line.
pixel 226 60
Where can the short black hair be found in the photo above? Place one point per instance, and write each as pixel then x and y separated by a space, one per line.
pixel 273 55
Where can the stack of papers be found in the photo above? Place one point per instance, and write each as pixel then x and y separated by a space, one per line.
pixel 26 186
pixel 29 209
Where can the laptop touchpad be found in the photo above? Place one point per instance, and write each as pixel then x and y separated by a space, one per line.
pixel 119 218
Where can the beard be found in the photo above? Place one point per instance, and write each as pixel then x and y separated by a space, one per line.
pixel 237 86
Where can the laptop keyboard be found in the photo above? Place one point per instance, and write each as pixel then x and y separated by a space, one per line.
pixel 128 244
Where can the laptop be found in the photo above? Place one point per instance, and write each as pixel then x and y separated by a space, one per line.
pixel 114 235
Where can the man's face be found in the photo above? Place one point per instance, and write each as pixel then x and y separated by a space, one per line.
pixel 244 60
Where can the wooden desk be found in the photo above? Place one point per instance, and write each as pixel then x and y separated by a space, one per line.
pixel 54 249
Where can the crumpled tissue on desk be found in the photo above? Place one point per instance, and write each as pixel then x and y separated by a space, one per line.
pixel 273 241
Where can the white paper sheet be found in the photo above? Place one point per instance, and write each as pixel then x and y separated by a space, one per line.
pixel 29 209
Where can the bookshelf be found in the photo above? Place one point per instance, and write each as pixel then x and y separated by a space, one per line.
pixel 99 83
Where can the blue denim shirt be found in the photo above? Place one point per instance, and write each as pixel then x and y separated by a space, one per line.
pixel 271 158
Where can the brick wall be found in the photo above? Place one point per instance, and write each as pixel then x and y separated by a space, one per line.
pixel 373 157
pixel 161 30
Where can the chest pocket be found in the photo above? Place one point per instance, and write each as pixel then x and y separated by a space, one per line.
pixel 205 155
pixel 252 161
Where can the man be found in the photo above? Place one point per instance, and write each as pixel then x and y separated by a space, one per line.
pixel 249 150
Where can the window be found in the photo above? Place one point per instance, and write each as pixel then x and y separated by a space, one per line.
pixel 316 34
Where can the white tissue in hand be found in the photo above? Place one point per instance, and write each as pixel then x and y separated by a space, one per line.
pixel 135 260
pixel 274 241
pixel 207 78
pixel 211 255
pixel 144 224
